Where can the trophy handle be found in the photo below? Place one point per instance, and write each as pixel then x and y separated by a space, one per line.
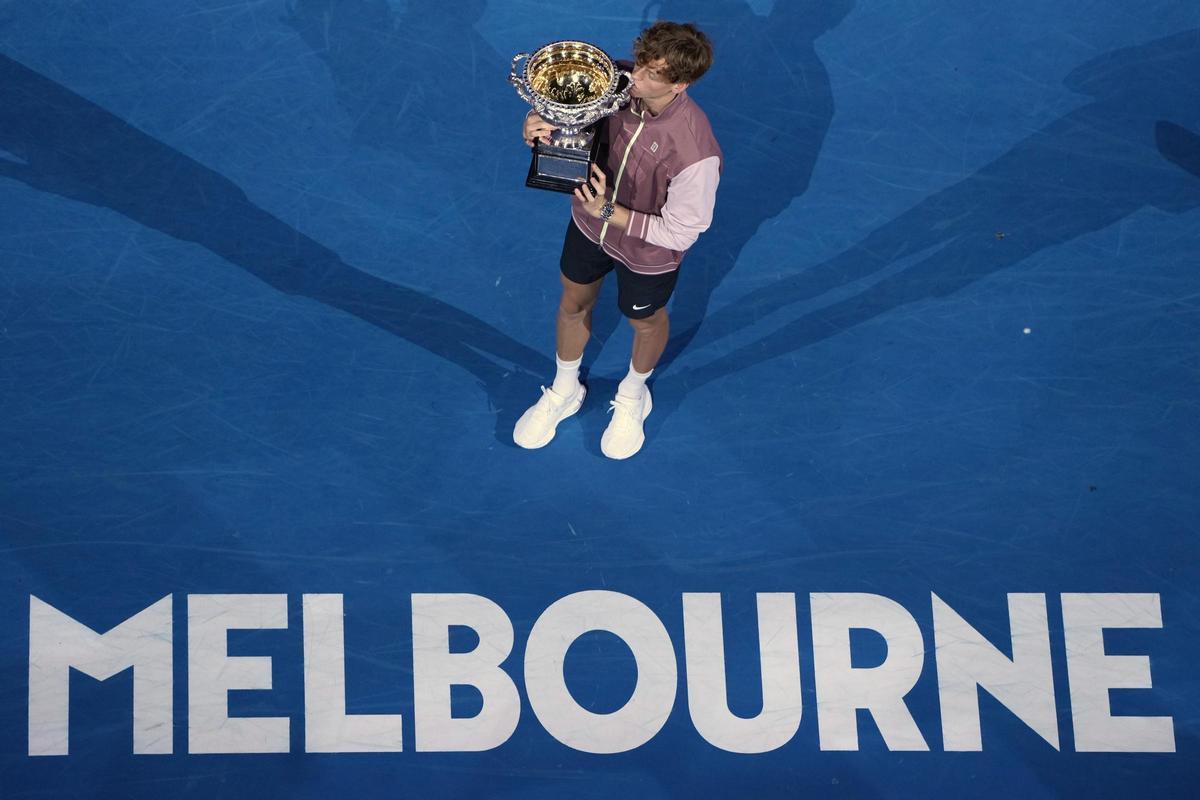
pixel 621 97
pixel 518 82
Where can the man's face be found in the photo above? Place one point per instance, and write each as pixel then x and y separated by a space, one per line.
pixel 649 83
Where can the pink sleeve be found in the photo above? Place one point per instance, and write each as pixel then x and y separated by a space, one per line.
pixel 688 212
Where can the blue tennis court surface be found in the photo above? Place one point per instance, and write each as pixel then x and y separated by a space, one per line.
pixel 916 513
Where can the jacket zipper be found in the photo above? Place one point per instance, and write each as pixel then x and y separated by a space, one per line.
pixel 621 171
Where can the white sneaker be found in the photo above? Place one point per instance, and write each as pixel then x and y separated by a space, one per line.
pixel 536 426
pixel 623 437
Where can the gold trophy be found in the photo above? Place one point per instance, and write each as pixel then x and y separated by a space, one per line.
pixel 572 85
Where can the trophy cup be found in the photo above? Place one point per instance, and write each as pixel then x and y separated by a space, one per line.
pixel 572 85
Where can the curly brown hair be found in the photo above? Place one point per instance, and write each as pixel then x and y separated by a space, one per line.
pixel 684 47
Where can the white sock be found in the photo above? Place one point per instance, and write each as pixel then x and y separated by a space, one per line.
pixel 566 379
pixel 633 384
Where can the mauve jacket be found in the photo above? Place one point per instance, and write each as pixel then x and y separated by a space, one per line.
pixel 665 170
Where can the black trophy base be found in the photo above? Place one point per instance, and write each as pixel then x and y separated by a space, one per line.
pixel 561 169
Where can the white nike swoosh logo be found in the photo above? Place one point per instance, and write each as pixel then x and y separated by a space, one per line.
pixel 640 308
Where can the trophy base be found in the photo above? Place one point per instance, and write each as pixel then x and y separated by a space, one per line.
pixel 561 169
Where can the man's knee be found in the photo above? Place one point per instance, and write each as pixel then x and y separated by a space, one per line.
pixel 650 324
pixel 575 306
pixel 577 298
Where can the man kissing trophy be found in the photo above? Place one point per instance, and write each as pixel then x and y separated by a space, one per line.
pixel 642 163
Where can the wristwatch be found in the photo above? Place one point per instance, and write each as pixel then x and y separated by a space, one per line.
pixel 606 211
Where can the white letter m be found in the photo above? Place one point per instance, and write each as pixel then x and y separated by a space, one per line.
pixel 57 643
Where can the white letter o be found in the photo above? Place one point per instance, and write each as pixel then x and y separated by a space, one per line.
pixel 653 697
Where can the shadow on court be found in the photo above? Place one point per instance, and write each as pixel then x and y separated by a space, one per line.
pixel 399 87
pixel 68 146
pixel 1129 149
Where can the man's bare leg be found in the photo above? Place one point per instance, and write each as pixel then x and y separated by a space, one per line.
pixel 624 435
pixel 649 340
pixel 574 324
pixel 573 327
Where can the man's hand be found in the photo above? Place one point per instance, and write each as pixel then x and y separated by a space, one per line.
pixel 591 194
pixel 536 128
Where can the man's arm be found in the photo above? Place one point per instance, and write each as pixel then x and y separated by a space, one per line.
pixel 688 212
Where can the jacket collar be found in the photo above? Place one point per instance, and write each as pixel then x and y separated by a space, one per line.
pixel 667 113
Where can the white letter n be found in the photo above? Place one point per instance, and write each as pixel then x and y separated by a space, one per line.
pixel 967 662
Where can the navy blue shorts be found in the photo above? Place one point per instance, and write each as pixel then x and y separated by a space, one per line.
pixel 638 296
